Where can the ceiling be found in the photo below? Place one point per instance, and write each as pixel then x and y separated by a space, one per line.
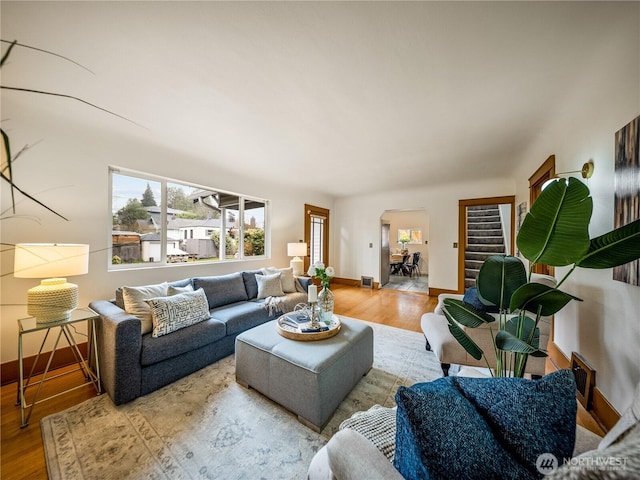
pixel 370 96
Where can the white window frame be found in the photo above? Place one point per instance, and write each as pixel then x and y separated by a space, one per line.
pixel 163 216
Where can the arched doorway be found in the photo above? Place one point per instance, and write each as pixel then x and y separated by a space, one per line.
pixel 408 229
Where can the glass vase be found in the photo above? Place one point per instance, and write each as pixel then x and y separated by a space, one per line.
pixel 325 304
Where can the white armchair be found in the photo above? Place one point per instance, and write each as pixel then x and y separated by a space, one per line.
pixel 441 342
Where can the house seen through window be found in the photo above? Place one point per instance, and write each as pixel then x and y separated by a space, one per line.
pixel 158 221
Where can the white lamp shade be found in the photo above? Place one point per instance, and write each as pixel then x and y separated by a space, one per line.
pixel 55 298
pixel 45 260
pixel 297 249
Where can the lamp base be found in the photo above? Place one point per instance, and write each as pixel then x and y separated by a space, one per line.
pixel 53 300
pixel 297 265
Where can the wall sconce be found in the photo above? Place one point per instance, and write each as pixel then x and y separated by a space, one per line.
pixel 297 250
pixel 586 172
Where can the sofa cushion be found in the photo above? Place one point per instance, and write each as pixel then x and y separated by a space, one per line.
pixel 135 302
pixel 484 427
pixel 269 285
pixel 288 279
pixel 241 316
pixel 176 290
pixel 222 290
pixel 157 349
pixel 178 283
pixel 250 284
pixel 178 311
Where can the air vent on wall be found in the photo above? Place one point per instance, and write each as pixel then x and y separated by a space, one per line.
pixel 585 379
pixel 366 282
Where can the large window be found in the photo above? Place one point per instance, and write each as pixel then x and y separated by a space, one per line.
pixel 158 221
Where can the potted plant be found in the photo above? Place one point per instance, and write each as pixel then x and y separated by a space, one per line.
pixel 555 232
pixel 403 240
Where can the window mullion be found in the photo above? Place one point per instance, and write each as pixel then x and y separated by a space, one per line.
pixel 163 222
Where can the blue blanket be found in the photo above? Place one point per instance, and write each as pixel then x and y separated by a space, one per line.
pixel 480 428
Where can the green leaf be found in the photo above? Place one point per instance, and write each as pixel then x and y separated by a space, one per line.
pixel 467 343
pixel 531 295
pixel 498 278
pixel 465 314
pixel 556 230
pixel 521 328
pixel 508 342
pixel 615 248
pixel 514 338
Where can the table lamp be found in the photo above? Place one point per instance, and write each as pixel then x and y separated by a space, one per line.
pixel 54 299
pixel 297 250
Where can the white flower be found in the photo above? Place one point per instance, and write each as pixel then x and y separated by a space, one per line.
pixel 312 271
pixel 319 265
pixel 329 272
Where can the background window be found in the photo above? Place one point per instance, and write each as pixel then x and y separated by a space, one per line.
pixel 157 221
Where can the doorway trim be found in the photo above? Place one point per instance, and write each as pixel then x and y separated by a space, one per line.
pixel 311 212
pixel 462 227
pixel 545 172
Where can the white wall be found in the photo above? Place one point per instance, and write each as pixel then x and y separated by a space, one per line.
pixel 357 223
pixel 605 327
pixel 68 170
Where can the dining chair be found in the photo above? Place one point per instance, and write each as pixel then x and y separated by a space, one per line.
pixel 414 266
pixel 398 267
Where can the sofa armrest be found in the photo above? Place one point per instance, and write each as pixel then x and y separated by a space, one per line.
pixel 119 346
pixel 442 297
pixel 352 457
pixel 305 282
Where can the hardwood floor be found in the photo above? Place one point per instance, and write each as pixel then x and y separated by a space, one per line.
pixel 21 448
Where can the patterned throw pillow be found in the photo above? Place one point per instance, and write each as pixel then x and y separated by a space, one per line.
pixel 269 285
pixel 178 311
pixel 135 302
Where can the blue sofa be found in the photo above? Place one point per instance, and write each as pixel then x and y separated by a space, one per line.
pixel 134 364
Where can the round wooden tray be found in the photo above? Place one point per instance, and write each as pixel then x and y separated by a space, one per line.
pixel 293 333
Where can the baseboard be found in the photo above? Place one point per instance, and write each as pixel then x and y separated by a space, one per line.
pixel 346 281
pixel 352 282
pixel 9 372
pixel 602 411
pixel 558 358
pixel 434 292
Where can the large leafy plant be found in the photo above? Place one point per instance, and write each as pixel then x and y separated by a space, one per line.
pixel 555 232
pixel 7 157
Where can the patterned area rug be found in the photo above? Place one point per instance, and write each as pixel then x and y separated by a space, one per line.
pixel 207 426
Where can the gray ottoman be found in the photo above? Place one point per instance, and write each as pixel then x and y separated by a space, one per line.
pixel 307 378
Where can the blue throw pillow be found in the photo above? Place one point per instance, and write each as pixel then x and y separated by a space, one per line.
pixel 472 298
pixel 478 428
pixel 223 289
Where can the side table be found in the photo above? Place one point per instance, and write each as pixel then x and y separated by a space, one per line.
pixel 30 325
